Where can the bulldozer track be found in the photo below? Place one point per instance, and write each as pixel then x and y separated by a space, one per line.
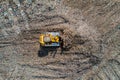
pixel 110 33
pixel 48 21
pixel 68 66
pixel 45 17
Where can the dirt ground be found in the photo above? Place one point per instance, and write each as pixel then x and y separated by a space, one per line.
pixel 90 30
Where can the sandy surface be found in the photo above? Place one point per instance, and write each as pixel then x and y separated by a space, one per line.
pixel 90 30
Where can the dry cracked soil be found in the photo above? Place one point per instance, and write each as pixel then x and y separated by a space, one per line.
pixel 89 28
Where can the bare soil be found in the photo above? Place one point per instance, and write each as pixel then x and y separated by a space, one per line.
pixel 89 28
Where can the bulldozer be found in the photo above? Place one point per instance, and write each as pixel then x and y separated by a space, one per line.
pixel 50 39
pixel 54 42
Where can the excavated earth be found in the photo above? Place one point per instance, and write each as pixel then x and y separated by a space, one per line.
pixel 89 28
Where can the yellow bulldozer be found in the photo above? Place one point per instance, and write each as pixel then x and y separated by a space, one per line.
pixel 50 39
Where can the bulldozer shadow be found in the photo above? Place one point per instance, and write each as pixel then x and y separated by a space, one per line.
pixel 44 51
